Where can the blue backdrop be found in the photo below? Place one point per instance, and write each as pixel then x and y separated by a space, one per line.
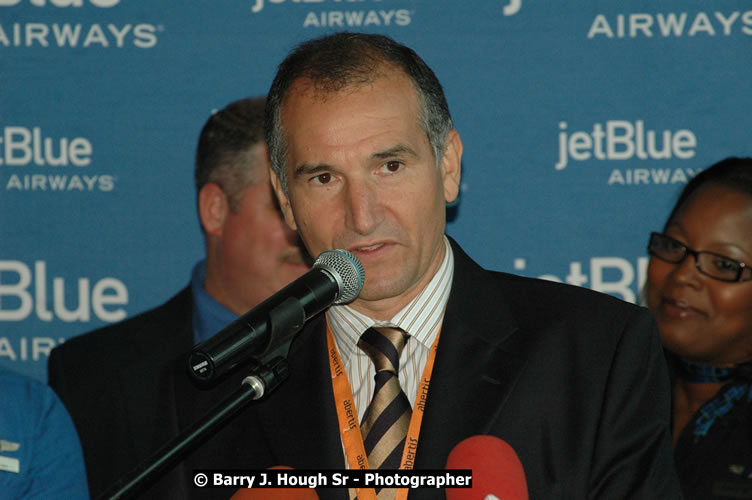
pixel 581 121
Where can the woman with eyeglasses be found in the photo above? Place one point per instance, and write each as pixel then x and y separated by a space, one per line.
pixel 699 287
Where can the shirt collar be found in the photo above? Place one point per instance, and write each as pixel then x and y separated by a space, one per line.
pixel 420 318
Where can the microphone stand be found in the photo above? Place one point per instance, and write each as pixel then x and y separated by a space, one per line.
pixel 286 320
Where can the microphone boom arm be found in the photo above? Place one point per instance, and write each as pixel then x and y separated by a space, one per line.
pixel 253 387
pixel 285 321
pixel 263 336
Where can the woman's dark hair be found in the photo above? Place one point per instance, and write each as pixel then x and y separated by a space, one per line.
pixel 734 173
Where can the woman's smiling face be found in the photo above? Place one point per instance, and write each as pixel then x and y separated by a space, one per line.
pixel 701 318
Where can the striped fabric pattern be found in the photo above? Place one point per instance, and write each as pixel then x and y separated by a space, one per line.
pixel 387 418
pixel 421 319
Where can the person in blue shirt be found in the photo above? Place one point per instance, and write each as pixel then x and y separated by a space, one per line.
pixel 40 455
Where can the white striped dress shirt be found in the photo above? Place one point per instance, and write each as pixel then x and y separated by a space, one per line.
pixel 421 318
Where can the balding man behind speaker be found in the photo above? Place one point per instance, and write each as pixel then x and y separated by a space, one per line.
pixel 109 378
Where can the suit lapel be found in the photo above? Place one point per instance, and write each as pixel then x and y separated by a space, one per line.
pixel 149 360
pixel 477 364
pixel 299 418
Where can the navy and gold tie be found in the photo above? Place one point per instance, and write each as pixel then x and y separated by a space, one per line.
pixel 387 417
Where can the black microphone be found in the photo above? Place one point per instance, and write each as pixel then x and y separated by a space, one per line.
pixel 337 277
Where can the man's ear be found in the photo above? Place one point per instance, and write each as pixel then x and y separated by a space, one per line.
pixel 284 201
pixel 451 166
pixel 213 208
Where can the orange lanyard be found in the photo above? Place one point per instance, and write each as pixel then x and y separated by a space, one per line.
pixel 347 414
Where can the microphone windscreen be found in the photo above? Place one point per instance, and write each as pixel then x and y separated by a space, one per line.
pixel 275 493
pixel 497 471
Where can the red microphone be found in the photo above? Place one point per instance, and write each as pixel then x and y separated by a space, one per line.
pixel 497 471
pixel 276 493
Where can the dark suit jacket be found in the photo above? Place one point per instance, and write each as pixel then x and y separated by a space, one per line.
pixel 108 380
pixel 573 380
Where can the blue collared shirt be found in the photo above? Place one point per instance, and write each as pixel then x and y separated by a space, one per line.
pixel 209 316
pixel 40 455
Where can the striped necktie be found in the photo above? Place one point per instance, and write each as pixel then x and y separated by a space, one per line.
pixel 387 418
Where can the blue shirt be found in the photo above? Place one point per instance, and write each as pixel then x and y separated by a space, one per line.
pixel 40 455
pixel 209 316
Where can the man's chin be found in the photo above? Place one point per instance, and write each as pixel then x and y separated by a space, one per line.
pixel 380 291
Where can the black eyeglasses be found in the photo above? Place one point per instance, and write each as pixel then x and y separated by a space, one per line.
pixel 710 264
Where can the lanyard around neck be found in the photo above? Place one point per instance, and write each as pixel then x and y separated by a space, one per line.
pixel 347 415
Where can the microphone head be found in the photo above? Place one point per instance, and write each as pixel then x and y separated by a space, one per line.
pixel 497 470
pixel 346 269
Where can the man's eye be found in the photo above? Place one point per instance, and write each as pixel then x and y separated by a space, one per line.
pixel 322 178
pixel 392 166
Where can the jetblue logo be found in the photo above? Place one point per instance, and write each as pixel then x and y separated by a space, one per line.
pixel 25 147
pixel 619 140
pixel 623 140
pixel 337 16
pixel 63 3
pixel 615 276
pixel 142 36
pixel 259 4
pixel 80 35
pixel 24 293
pixel 27 348
pixel 671 25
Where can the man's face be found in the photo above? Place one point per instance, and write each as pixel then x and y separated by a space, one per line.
pixel 362 177
pixel 256 254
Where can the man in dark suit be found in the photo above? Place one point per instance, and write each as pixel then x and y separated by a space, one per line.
pixel 109 378
pixel 364 158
